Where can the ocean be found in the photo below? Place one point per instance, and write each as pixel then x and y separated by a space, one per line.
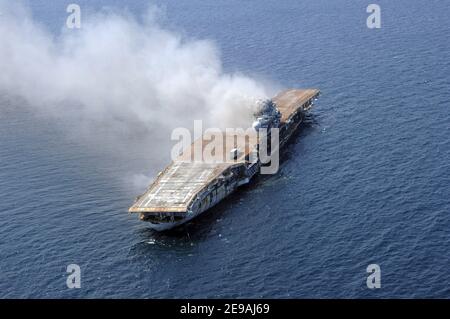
pixel 365 181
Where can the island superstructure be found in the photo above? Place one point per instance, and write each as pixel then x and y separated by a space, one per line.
pixel 188 187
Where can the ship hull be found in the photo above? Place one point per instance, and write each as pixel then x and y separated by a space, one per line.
pixel 187 188
pixel 212 201
pixel 204 206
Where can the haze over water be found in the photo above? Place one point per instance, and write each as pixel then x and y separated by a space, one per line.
pixel 366 181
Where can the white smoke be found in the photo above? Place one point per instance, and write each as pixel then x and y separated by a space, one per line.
pixel 115 76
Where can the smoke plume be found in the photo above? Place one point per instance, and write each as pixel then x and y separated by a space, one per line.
pixel 121 78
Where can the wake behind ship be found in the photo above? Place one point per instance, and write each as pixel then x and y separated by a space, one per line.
pixel 186 188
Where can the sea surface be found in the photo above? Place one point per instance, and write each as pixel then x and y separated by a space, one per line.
pixel 365 181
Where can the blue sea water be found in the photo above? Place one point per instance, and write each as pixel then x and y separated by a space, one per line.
pixel 366 181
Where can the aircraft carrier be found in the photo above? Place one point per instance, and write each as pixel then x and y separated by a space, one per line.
pixel 188 187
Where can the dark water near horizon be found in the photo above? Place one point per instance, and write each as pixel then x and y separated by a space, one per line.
pixel 366 181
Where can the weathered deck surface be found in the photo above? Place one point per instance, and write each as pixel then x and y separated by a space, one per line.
pixel 209 149
pixel 290 100
pixel 175 187
pixel 187 175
